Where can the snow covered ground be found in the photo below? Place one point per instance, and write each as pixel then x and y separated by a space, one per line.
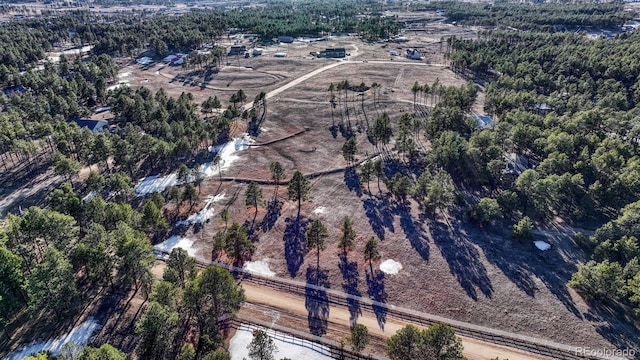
pixel 259 267
pixel 228 156
pixel 79 336
pixel 174 242
pixel 542 245
pixel 285 343
pixel 205 214
pixel 390 267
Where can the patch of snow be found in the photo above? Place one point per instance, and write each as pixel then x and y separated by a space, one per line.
pixel 79 336
pixel 89 196
pixel 176 241
pixel 227 155
pixel 319 210
pixel 124 75
pixel 390 267
pixel 288 346
pixel 373 159
pixel 542 245
pixel 259 267
pixel 157 183
pixel 205 214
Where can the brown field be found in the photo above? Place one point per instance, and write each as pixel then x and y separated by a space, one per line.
pixel 450 268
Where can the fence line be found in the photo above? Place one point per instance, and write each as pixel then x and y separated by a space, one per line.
pixel 318 344
pixel 499 337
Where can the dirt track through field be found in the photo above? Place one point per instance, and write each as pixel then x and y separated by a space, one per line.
pixel 339 321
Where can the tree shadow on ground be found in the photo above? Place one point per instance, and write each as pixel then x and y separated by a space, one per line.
pixel 116 329
pixel 295 243
pixel 345 131
pixel 253 126
pixel 518 261
pixel 352 180
pixel 349 271
pixel 317 300
pixel 334 131
pixel 463 259
pixel 623 334
pixel 414 232
pixel 379 215
pixel 375 289
pixel 272 215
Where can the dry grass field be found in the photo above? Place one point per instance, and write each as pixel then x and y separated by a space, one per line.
pixel 450 267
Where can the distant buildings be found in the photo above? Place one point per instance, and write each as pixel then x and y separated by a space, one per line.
pixel 237 50
pixel 145 60
pixel 175 59
pixel 333 53
pixel 280 54
pixel 285 39
pixel 413 54
pixel 257 52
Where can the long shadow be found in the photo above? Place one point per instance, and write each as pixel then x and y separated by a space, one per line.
pixel 379 215
pixel 622 333
pixel 350 286
pixel 352 180
pixel 518 262
pixel 295 243
pixel 253 126
pixel 316 300
pixel 273 213
pixel 463 259
pixel 334 130
pixel 375 289
pixel 415 234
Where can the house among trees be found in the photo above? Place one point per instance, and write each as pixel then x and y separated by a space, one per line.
pixel 14 90
pixel 515 164
pixel 96 126
pixel 542 109
pixel 482 121
pixel 145 60
pixel 333 53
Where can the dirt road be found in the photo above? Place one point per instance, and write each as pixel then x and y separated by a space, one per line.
pixel 339 319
